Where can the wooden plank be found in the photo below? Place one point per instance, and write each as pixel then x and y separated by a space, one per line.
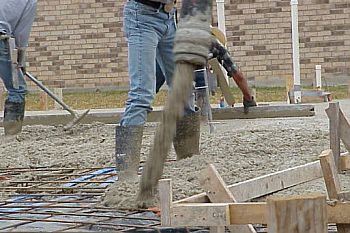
pixel 248 213
pixel 263 112
pixel 344 129
pixel 297 214
pixel 277 181
pixel 110 116
pixel 165 196
pixel 217 191
pixel 339 213
pixel 44 106
pixel 345 161
pixel 334 132
pixel 267 184
pixel 206 214
pixel 245 213
pixel 225 89
pixel 330 174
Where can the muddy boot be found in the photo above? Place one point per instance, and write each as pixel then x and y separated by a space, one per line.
pixel 127 150
pixel 13 117
pixel 186 140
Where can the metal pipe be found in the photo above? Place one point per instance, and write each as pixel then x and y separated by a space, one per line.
pixel 296 56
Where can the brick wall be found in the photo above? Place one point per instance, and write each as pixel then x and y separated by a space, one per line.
pixel 259 34
pixel 80 42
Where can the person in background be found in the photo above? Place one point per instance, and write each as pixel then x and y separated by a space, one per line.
pixel 16 20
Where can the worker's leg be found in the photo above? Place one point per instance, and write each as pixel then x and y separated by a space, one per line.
pixel 15 102
pixel 143 26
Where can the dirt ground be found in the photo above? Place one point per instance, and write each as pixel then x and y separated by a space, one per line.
pixel 239 149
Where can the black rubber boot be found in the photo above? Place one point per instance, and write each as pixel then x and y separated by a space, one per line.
pixel 186 140
pixel 127 150
pixel 13 117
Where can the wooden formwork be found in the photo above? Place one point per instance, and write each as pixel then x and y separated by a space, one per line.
pixel 221 207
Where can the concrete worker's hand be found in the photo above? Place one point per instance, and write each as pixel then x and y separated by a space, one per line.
pixel 21 58
pixel 248 103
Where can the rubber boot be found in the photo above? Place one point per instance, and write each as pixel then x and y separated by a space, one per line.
pixel 127 150
pixel 13 117
pixel 186 140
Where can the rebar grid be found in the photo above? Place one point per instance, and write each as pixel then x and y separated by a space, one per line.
pixel 66 199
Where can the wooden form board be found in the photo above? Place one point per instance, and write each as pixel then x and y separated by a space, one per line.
pixel 344 129
pixel 295 110
pixel 345 161
pixel 297 214
pixel 166 200
pixel 111 116
pixel 217 192
pixel 334 131
pixel 339 128
pixel 222 214
pixel 267 184
pixel 330 174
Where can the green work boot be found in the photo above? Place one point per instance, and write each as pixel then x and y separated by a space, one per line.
pixel 13 117
pixel 186 140
pixel 127 150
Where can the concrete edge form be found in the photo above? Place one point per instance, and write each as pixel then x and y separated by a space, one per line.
pixel 112 116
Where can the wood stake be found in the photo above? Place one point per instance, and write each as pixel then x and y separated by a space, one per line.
pixel 333 115
pixel 59 93
pixel 344 129
pixel 43 101
pixel 330 174
pixel 217 192
pixel 166 199
pixel 297 214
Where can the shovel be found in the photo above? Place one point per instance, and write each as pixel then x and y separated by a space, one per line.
pixel 76 117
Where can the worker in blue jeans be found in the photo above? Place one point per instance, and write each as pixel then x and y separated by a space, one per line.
pixel 16 20
pixel 150 28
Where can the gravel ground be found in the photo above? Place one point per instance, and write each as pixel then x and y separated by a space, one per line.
pixel 239 149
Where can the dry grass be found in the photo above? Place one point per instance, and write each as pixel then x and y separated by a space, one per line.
pixel 116 99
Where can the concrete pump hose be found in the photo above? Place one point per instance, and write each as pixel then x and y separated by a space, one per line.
pixel 193 36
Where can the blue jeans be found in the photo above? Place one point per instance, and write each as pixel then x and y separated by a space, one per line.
pixel 150 35
pixel 14 95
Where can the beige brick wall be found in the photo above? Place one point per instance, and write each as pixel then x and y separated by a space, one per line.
pixel 81 42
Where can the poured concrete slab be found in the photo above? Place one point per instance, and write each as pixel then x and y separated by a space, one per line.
pixel 112 116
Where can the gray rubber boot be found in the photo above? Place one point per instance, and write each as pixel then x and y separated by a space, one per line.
pixel 186 140
pixel 127 150
pixel 13 117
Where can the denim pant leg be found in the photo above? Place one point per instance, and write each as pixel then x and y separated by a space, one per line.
pixel 139 26
pixel 166 59
pixel 14 95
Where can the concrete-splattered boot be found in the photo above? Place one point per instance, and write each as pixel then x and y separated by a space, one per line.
pixel 186 140
pixel 127 150
pixel 13 117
